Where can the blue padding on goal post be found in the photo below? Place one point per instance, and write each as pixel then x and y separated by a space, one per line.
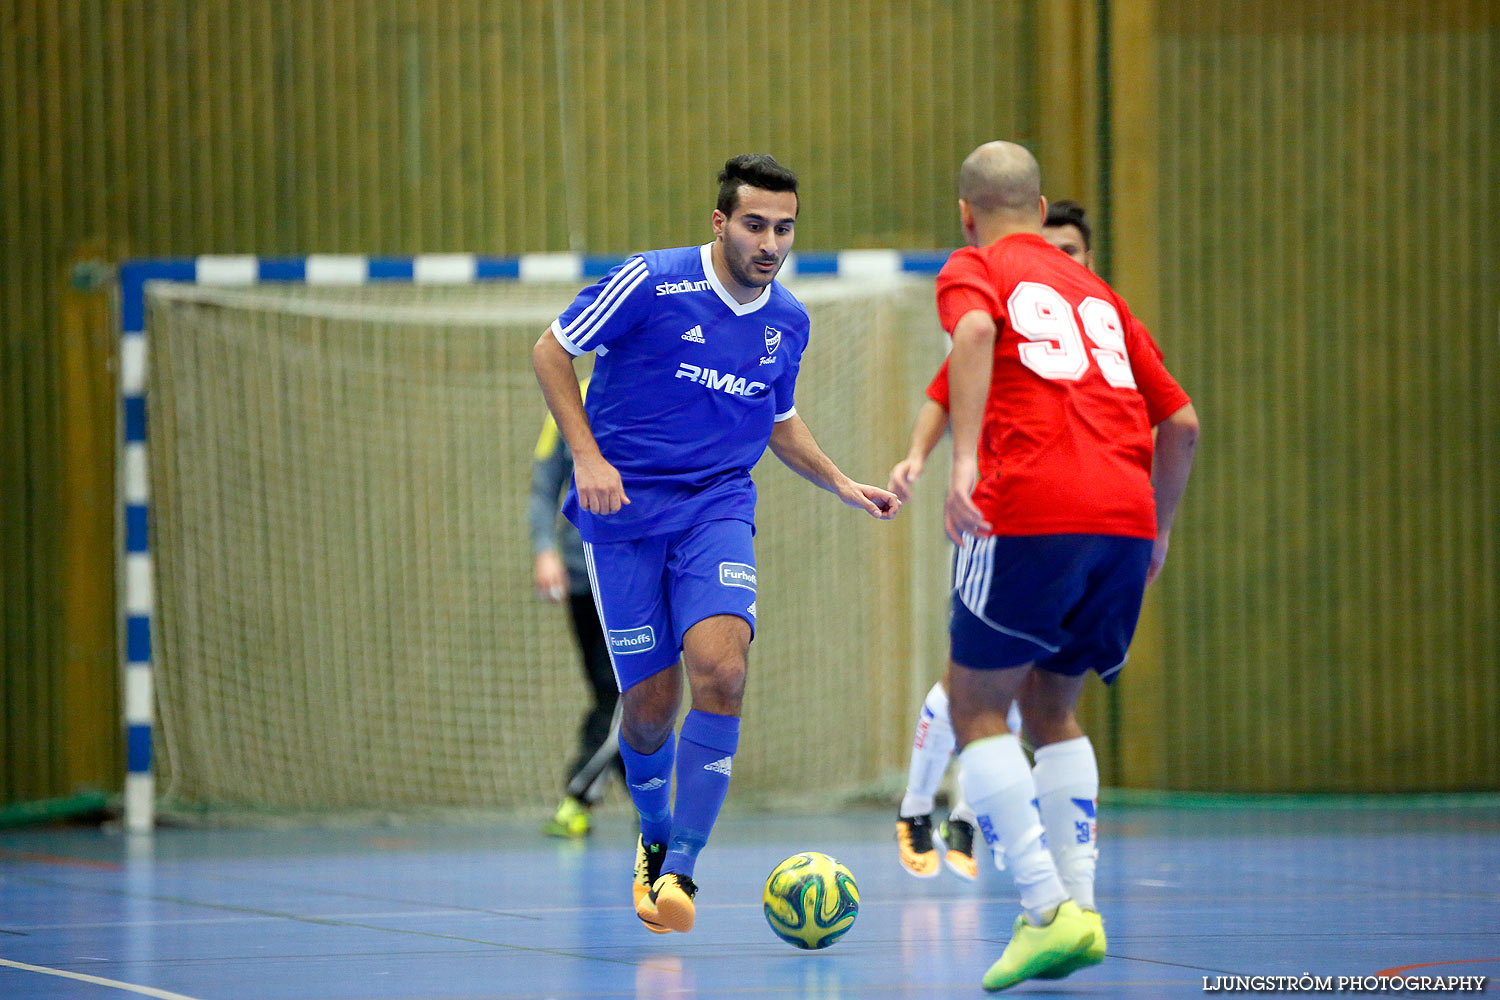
pixel 133 278
pixel 138 749
pixel 924 261
pixel 135 418
pixel 597 266
pixel 138 639
pixel 493 268
pixel 135 528
pixel 817 263
pixel 283 269
pixel 392 269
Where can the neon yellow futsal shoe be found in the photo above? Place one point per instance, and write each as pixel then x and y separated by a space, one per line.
pixel 570 822
pixel 669 905
pixel 1035 950
pixel 1093 956
pixel 648 859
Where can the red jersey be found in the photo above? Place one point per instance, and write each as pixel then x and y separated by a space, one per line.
pixel 1077 385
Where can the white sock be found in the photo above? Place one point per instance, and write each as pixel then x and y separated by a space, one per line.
pixel 931 747
pixel 961 809
pixel 997 782
pixel 1067 791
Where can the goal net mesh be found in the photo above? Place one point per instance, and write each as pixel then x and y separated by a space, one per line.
pixel 345 618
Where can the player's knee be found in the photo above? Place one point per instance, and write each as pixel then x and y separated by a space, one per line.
pixel 649 714
pixel 719 684
pixel 646 733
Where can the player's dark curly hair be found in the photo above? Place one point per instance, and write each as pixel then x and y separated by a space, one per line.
pixel 1069 213
pixel 759 170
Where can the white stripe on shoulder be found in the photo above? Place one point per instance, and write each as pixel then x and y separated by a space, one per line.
pixel 592 319
pixel 622 275
pixel 562 338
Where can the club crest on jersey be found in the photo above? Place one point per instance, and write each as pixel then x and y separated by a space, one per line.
pixel 733 574
pixel 726 382
pixel 773 341
pixel 632 640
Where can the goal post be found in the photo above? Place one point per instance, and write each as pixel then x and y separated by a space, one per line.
pixel 325 582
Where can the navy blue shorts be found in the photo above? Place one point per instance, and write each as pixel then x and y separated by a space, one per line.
pixel 650 591
pixel 1068 603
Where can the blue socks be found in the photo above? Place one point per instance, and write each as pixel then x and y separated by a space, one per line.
pixel 649 778
pixel 705 754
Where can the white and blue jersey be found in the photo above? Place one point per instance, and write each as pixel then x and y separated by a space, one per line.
pixel 685 391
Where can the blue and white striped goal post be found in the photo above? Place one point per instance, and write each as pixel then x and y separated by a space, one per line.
pixel 137 573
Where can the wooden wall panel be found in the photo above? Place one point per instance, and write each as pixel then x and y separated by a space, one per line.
pixel 1328 273
pixel 1323 177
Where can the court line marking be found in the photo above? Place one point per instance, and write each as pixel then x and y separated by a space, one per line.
pixel 145 991
pixel 1401 970
pixel 254 911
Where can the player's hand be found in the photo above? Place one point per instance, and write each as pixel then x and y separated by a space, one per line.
pixel 873 500
pixel 1158 556
pixel 600 489
pixel 960 516
pixel 550 576
pixel 903 476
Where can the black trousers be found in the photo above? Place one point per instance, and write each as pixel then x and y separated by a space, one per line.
pixel 598 733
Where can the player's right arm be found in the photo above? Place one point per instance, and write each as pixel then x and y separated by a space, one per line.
pixel 931 423
pixel 971 362
pixel 600 489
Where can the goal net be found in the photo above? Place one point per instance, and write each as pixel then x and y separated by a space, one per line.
pixel 345 617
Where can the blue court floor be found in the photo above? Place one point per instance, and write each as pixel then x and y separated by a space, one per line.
pixel 500 913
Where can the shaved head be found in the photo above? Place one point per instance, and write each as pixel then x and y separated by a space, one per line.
pixel 1001 178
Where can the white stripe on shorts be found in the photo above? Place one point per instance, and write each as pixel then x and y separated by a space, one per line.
pixel 588 559
pixel 975 591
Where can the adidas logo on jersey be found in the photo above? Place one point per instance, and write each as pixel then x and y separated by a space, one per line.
pixel 719 381
pixel 751 609
pixel 722 766
pixel 649 786
pixel 695 335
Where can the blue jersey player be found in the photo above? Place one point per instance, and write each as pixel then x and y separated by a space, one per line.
pixel 696 373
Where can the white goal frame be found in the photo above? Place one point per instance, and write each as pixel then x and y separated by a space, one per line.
pixel 136 569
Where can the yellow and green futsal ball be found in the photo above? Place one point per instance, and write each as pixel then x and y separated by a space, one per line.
pixel 811 900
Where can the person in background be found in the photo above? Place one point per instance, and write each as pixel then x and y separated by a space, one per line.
pixel 562 578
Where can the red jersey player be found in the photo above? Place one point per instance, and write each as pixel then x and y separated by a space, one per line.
pixel 1061 509
pixel 918 842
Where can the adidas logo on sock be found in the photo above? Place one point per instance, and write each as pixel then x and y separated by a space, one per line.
pixel 649 786
pixel 695 335
pixel 722 765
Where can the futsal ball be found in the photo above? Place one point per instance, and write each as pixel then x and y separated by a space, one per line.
pixel 811 900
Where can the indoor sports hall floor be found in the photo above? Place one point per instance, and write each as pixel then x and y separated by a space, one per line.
pixel 501 913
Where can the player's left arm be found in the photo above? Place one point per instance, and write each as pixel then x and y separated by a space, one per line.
pixel 1171 412
pixel 1171 464
pixel 793 443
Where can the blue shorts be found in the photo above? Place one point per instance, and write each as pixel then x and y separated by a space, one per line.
pixel 1068 603
pixel 650 591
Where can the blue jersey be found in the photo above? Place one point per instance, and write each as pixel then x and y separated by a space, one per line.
pixel 686 388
